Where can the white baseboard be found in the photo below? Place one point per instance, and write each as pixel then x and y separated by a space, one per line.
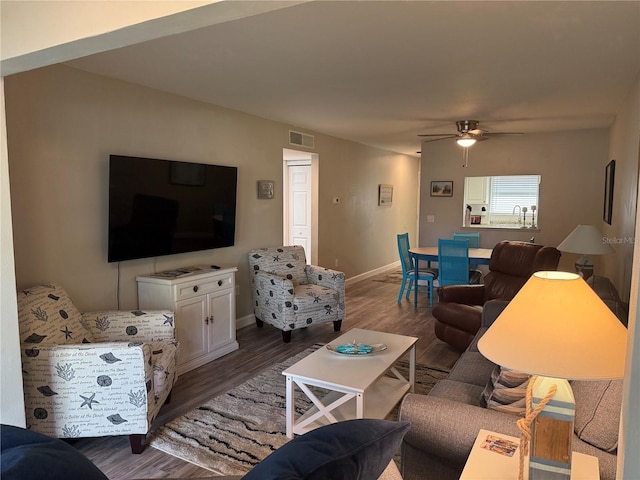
pixel 372 273
pixel 245 321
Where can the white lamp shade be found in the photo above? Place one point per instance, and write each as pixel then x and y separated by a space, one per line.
pixel 585 240
pixel 558 327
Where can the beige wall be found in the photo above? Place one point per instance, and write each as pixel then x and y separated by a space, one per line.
pixel 361 234
pixel 571 191
pixel 625 146
pixel 63 124
pixel 624 143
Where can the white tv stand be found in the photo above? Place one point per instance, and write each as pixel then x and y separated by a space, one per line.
pixel 203 300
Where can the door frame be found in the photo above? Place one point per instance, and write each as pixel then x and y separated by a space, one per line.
pixel 299 157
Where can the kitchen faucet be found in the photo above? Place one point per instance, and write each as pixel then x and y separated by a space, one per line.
pixel 513 212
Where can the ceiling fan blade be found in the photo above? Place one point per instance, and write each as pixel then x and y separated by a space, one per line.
pixel 441 138
pixel 446 135
pixel 502 133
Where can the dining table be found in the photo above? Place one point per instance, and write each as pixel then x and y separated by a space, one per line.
pixel 480 256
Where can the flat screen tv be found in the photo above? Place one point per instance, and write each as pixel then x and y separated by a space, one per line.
pixel 164 207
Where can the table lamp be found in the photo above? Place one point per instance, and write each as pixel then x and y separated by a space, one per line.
pixel 585 240
pixel 556 327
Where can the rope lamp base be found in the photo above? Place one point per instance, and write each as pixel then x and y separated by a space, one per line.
pixel 548 428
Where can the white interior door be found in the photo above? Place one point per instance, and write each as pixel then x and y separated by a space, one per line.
pixel 300 223
pixel 300 201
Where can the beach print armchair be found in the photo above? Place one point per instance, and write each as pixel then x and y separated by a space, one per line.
pixel 289 294
pixel 93 374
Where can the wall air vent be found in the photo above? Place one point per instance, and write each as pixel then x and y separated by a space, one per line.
pixel 301 139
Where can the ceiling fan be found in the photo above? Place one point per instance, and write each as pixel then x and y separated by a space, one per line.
pixel 468 134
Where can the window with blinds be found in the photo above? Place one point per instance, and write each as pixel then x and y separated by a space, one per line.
pixel 508 191
pixel 508 201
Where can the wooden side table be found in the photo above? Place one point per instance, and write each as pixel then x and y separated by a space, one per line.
pixel 492 462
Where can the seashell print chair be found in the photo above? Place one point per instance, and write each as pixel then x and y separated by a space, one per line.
pixel 289 294
pixel 93 374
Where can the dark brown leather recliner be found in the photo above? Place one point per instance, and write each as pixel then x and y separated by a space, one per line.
pixel 459 311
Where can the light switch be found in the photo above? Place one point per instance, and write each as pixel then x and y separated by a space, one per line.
pixel 431 218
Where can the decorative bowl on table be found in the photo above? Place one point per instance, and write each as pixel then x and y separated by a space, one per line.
pixel 355 349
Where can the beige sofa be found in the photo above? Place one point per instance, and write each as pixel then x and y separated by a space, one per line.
pixel 445 423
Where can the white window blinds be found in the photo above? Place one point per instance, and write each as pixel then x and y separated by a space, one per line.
pixel 508 191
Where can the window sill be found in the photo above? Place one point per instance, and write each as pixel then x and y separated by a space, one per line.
pixel 502 227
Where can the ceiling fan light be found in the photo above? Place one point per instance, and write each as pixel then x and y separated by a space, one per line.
pixel 466 142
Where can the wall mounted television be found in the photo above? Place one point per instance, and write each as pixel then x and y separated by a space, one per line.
pixel 163 207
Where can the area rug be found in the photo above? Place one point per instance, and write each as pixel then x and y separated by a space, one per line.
pixel 391 277
pixel 236 430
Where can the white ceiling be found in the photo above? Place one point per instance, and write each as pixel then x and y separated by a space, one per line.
pixel 380 73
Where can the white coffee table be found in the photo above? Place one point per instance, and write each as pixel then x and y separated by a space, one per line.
pixel 358 386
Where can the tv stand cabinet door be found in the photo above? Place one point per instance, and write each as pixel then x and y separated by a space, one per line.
pixel 192 327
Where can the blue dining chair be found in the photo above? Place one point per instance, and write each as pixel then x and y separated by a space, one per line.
pixel 453 263
pixel 474 242
pixel 474 238
pixel 425 276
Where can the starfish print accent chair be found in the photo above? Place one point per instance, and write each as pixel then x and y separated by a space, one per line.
pixel 93 374
pixel 289 294
pixel 459 311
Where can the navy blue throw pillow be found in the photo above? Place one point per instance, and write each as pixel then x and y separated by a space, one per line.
pixel 350 450
pixel 32 455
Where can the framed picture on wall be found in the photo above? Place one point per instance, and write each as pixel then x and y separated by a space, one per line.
pixel 385 195
pixel 265 189
pixel 442 189
pixel 609 177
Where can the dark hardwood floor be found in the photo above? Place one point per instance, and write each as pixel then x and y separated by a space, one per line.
pixel 371 304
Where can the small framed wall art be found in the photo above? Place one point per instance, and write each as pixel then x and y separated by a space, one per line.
pixel 442 189
pixel 609 177
pixel 385 195
pixel 265 189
